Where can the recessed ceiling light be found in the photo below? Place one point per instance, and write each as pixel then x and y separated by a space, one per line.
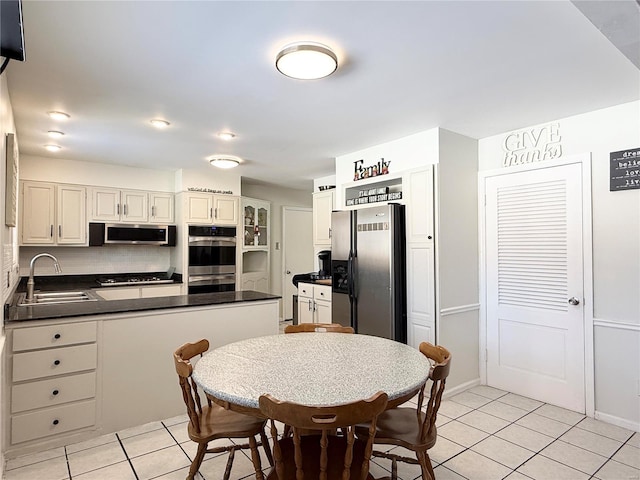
pixel 224 161
pixel 226 135
pixel 306 61
pixel 53 148
pixel 158 123
pixel 55 134
pixel 59 115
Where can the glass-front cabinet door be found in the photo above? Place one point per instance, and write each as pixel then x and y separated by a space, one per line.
pixel 256 224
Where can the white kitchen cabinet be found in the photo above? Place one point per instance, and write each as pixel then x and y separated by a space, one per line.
pixel 257 281
pixel 131 206
pixel 255 223
pixel 161 208
pixel 53 214
pixel 53 379
pixel 208 208
pixel 323 205
pixel 421 290
pixel 314 303
pixel 114 205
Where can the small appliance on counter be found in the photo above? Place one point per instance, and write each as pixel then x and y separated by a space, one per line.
pixel 324 263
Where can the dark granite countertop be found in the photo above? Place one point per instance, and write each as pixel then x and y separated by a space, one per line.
pixel 104 307
pixel 14 313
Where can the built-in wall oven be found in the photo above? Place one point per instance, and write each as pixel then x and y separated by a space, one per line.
pixel 212 259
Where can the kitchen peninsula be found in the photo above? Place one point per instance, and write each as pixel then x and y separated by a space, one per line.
pixel 73 370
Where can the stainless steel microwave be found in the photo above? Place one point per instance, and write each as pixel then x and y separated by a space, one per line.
pixel 129 234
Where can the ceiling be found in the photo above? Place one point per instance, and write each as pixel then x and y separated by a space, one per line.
pixel 478 68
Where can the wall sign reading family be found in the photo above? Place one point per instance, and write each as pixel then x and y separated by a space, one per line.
pixel 532 145
pixel 361 172
pixel 624 167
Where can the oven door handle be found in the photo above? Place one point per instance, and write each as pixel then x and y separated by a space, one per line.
pixel 212 279
pixel 212 240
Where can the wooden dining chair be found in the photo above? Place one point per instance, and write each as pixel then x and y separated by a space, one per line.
pixel 323 456
pixel 414 429
pixel 318 327
pixel 210 421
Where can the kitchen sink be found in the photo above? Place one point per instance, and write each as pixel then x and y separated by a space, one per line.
pixel 52 298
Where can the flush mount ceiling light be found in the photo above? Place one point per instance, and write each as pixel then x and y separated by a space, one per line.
pixel 226 135
pixel 159 123
pixel 53 148
pixel 59 115
pixel 55 134
pixel 224 161
pixel 306 61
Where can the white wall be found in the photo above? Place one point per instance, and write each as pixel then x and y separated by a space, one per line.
pixel 616 253
pixel 456 192
pixel 61 170
pixel 279 197
pixel 8 240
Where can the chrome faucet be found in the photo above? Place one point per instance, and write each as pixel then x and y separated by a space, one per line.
pixel 30 283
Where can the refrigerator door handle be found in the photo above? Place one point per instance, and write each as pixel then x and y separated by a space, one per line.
pixel 351 275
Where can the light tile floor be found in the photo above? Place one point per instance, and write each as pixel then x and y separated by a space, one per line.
pixel 483 433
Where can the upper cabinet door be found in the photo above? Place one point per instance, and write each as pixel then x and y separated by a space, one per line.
pixel 323 204
pixel 71 215
pixel 225 210
pixel 135 206
pixel 161 207
pixel 199 207
pixel 106 204
pixel 38 213
pixel 420 206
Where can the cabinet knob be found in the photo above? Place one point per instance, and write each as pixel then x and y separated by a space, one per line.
pixel 56 362
pixel 55 392
pixel 429 237
pixel 57 336
pixel 56 421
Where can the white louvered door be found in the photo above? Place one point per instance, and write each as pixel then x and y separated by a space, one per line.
pixel 534 268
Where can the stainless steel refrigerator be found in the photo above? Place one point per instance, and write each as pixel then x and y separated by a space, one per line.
pixel 368 271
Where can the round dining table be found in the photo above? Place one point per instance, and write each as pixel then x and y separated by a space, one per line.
pixel 315 369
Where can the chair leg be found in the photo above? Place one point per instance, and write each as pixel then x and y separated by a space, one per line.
pixel 267 448
pixel 425 466
pixel 195 465
pixel 394 469
pixel 227 470
pixel 255 457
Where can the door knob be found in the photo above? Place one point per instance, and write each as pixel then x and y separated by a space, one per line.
pixel 574 301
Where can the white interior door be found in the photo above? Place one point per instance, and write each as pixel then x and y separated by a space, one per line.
pixel 535 284
pixel 297 251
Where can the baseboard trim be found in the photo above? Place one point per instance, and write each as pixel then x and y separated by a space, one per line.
pixel 461 309
pixel 450 392
pixel 617 421
pixel 635 327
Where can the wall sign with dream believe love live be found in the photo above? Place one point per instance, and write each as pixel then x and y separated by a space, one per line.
pixel 624 168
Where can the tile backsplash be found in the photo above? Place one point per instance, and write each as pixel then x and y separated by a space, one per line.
pixel 96 260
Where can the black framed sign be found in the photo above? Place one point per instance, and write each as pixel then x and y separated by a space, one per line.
pixel 624 170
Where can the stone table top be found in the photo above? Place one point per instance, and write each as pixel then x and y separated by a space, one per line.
pixel 311 369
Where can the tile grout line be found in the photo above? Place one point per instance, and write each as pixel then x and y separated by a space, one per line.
pixel 127 457
pixel 66 457
pixel 613 455
pixel 183 451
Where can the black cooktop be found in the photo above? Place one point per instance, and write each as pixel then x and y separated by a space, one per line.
pixel 139 279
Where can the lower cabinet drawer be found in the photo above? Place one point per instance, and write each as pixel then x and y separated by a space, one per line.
pixel 47 336
pixel 54 361
pixel 52 421
pixel 51 392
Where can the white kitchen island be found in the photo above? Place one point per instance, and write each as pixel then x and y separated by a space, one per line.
pixel 72 378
